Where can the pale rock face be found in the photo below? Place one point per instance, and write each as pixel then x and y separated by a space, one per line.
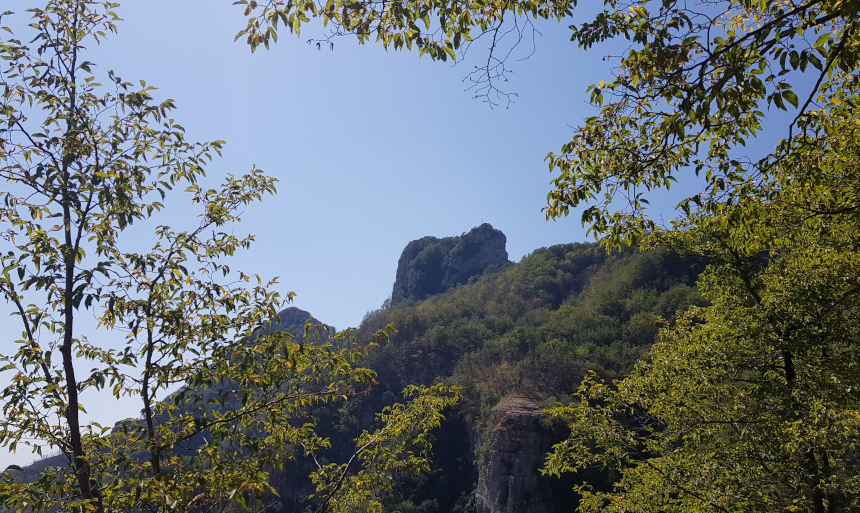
pixel 509 482
pixel 431 266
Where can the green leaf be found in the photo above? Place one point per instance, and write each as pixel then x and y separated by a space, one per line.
pixel 790 97
pixel 822 39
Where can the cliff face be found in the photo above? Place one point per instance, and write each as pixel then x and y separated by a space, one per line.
pixel 431 266
pixel 509 481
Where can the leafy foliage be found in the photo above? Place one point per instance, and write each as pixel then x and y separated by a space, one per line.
pixel 534 328
pixel 436 28
pixel 386 453
pixel 688 96
pixel 87 168
pixel 751 403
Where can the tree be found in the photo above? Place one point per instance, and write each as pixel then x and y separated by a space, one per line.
pixel 223 400
pixel 752 403
pixel 749 404
pixel 687 95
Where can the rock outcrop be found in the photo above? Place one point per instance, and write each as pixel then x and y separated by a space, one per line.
pixel 431 266
pixel 509 481
pixel 291 320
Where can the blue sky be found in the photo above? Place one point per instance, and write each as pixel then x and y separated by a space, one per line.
pixel 372 148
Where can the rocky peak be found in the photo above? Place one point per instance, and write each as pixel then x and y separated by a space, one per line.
pixel 292 320
pixel 431 265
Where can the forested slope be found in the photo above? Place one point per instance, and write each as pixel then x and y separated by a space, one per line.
pixel 536 326
pixel 532 328
pixel 529 330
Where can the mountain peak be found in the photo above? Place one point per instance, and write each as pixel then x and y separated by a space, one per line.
pixel 431 265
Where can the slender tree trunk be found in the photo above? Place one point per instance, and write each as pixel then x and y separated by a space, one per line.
pixel 88 487
pixel 154 450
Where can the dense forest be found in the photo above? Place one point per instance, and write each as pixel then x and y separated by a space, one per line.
pixel 708 363
pixel 530 329
pixel 535 328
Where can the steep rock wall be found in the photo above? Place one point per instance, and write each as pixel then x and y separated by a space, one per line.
pixel 509 481
pixel 431 265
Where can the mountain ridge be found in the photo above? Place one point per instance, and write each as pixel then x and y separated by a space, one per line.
pixel 529 329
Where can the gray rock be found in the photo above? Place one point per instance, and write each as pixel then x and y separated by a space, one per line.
pixel 292 320
pixel 509 481
pixel 431 266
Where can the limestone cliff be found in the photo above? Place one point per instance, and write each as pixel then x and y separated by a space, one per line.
pixel 431 265
pixel 508 480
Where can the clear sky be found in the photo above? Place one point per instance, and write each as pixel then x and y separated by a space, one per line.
pixel 373 149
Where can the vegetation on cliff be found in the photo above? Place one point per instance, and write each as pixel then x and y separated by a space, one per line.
pixel 534 328
pixel 430 266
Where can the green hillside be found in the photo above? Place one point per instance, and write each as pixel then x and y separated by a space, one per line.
pixel 532 328
pixel 537 326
